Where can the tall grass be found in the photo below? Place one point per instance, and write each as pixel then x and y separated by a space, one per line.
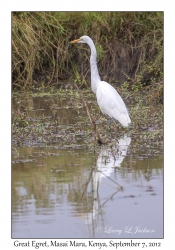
pixel 129 46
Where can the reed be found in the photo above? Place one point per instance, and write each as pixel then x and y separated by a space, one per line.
pixel 129 47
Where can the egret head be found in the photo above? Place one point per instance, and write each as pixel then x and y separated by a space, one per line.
pixel 83 39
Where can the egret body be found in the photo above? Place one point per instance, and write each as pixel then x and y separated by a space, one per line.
pixel 108 99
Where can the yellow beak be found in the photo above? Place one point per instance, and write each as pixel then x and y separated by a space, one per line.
pixel 76 41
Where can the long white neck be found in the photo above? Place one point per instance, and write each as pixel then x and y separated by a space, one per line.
pixel 95 78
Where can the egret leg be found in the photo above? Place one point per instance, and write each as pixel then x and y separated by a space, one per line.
pixel 111 121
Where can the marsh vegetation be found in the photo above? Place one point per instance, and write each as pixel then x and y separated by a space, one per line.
pixel 129 47
pixel 130 57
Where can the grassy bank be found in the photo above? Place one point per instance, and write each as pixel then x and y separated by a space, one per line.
pixel 129 46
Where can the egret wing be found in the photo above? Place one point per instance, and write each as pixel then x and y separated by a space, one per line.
pixel 111 103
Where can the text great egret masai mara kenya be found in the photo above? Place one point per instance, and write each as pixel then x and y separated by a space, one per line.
pixel 108 99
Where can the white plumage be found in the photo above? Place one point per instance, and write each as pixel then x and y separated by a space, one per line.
pixel 108 99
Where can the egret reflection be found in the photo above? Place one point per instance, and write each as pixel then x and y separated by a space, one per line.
pixel 108 160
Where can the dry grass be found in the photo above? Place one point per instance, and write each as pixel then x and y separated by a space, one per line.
pixel 129 46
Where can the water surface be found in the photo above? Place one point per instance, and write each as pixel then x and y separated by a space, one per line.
pixel 79 191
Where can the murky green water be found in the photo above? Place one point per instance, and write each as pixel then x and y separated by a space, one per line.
pixel 74 190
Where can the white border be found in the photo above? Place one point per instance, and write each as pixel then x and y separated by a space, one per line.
pixel 169 95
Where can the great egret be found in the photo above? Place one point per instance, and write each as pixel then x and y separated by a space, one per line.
pixel 108 99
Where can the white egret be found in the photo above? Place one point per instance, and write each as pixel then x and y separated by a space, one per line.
pixel 108 99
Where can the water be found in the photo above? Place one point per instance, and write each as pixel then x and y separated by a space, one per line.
pixel 79 193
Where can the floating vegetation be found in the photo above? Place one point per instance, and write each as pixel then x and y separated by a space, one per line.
pixel 60 121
